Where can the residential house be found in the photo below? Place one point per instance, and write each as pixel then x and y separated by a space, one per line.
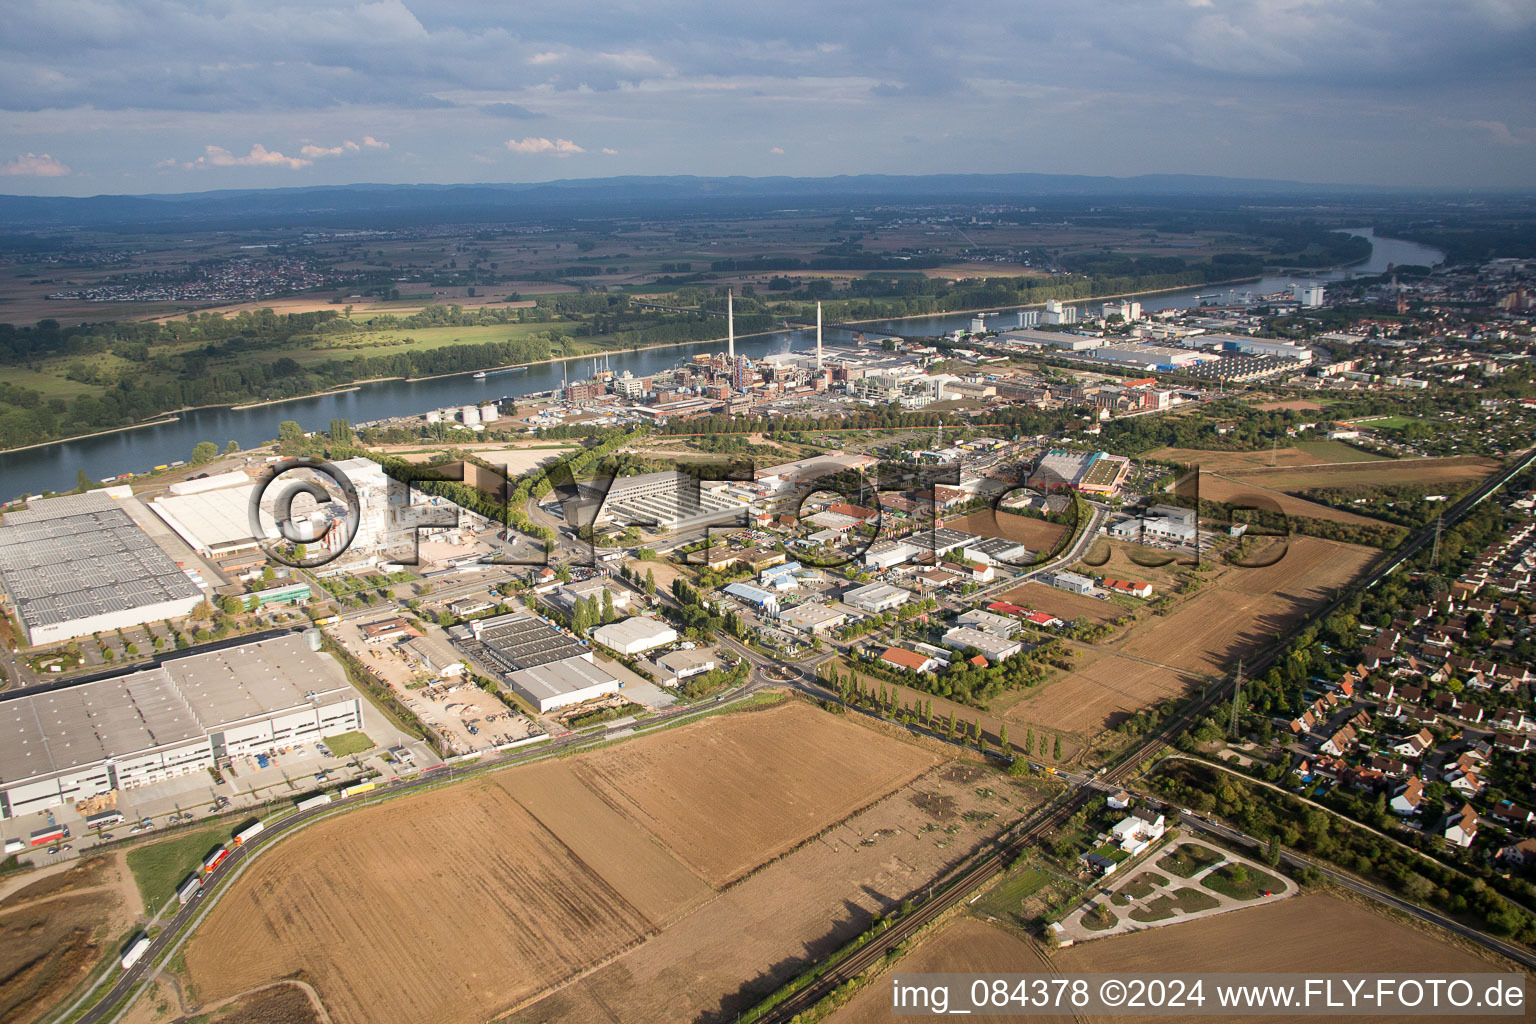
pixel 1461 827
pixel 1519 855
pixel 1514 742
pixel 1465 783
pixel 1340 743
pixel 1407 801
pixel 1138 830
pixel 1512 814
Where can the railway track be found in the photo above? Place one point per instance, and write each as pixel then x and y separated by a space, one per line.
pixel 991 865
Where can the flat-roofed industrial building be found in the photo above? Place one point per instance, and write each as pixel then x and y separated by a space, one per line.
pixel 558 684
pixel 874 598
pixel 65 745
pixel 635 634
pixel 78 564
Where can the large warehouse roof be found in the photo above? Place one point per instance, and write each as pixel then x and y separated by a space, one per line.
pixel 519 641
pixel 550 682
pixel 185 698
pixel 216 520
pixel 80 555
pixel 637 629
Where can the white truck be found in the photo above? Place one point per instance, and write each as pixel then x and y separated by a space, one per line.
pixel 136 951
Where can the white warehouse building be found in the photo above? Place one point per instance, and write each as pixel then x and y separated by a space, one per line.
pixel 635 634
pixel 65 745
pixel 79 564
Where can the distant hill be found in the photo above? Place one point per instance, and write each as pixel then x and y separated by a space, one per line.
pixel 353 205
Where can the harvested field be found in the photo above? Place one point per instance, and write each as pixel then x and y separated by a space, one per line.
pixel 1246 609
pixel 1246 492
pixel 475 899
pixel 1116 558
pixel 1457 470
pixel 727 955
pixel 1036 534
pixel 1227 462
pixel 1062 604
pixel 411 881
pixel 645 874
pixel 1102 691
pixel 701 791
pixel 1294 405
pixel 1304 933
pixel 963 946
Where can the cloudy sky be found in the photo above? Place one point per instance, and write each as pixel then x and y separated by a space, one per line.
pixel 134 96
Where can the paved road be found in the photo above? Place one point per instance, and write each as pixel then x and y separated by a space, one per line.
pixel 971 878
pixel 170 937
pixel 1514 952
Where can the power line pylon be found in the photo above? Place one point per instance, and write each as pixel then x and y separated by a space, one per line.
pixel 1237 702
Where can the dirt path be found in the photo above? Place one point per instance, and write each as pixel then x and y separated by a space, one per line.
pixel 187 1010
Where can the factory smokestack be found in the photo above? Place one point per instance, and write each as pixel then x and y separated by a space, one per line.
pixel 730 328
pixel 818 336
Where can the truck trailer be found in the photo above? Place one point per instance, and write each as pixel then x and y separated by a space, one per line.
pixel 318 800
pixel 248 833
pixel 214 859
pixel 136 951
pixel 43 836
pixel 189 889
pixel 104 819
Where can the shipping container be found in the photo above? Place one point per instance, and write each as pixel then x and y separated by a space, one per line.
pixel 248 833
pixel 214 859
pixel 136 951
pixel 104 819
pixel 189 889
pixel 47 835
pixel 318 800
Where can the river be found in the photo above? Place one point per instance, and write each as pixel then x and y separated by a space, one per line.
pixel 55 466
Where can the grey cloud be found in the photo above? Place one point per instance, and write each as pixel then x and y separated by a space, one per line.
pixel 514 111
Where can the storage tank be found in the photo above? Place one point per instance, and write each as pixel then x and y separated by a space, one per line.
pixel 470 415
pixel 435 416
pixel 488 412
pixel 312 639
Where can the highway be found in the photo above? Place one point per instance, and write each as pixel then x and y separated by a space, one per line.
pixel 970 879
pixel 173 931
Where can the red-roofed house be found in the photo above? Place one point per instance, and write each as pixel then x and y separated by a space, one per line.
pixel 900 657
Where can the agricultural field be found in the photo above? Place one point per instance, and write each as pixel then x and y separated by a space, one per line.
pixel 755 935
pixel 1338 451
pixel 1037 534
pixel 54 929
pixel 1062 604
pixel 1248 491
pixel 540 874
pixel 1458 470
pixel 1293 935
pixel 1245 609
pixel 963 946
pixel 702 793
pixel 1228 462
pixel 1236 611
pixel 1292 405
pixel 1100 692
pixel 1116 558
